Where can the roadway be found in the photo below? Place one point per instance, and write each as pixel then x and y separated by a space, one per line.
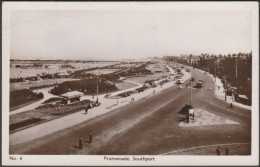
pixel 149 127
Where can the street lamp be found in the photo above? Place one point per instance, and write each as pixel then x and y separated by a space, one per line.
pixel 97 85
pixel 190 94
pixel 225 90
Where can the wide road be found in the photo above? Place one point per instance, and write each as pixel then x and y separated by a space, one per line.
pixel 150 127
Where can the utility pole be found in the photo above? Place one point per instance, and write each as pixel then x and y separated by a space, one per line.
pixel 236 71
pixel 225 90
pixel 97 88
pixel 215 73
pixel 190 93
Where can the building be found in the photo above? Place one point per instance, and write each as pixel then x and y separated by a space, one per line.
pixel 72 96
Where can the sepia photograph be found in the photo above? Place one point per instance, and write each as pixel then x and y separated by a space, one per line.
pixel 130 83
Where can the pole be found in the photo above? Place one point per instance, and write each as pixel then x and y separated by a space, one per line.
pixel 236 71
pixel 225 90
pixel 97 87
pixel 190 94
pixel 215 73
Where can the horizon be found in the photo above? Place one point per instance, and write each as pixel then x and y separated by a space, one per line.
pixel 117 35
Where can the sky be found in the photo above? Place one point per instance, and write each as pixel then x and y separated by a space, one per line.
pixel 117 35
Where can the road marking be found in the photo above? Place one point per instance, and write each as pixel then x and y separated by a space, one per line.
pixel 138 120
pixel 214 145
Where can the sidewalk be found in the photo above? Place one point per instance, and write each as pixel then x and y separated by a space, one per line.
pixel 220 93
pixel 106 106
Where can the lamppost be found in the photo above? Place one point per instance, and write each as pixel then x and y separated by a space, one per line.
pixel 97 84
pixel 215 72
pixel 190 94
pixel 225 90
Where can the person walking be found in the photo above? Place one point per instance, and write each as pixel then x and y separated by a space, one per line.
pixel 227 151
pixel 231 105
pixel 90 137
pixel 218 151
pixel 80 143
pixel 86 109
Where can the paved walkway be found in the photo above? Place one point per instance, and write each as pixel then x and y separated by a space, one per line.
pixel 220 93
pixel 107 105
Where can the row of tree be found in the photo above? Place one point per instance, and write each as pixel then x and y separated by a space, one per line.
pixel 233 69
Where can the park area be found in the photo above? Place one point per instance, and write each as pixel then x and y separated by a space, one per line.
pixel 44 113
pixel 35 84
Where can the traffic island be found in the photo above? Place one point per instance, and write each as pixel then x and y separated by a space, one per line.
pixel 203 117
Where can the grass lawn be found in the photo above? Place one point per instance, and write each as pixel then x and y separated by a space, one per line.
pixel 142 80
pixel 24 104
pixel 20 98
pixel 125 85
pixel 36 116
pixel 26 85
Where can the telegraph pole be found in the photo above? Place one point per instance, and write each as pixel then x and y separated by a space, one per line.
pixel 236 71
pixel 225 90
pixel 215 73
pixel 97 88
pixel 190 94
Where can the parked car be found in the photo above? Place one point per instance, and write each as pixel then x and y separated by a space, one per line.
pixel 192 79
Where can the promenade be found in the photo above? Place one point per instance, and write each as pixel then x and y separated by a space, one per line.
pixel 107 105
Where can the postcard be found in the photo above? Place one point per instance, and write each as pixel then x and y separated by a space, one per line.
pixel 130 83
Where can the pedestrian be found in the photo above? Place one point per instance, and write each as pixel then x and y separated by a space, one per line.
pixel 218 87
pixel 218 151
pixel 80 143
pixel 132 99
pixel 231 105
pixel 86 110
pixel 90 137
pixel 227 151
pixel 117 101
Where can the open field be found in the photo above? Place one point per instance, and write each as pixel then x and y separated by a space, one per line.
pixel 124 85
pixel 103 71
pixel 156 68
pixel 52 68
pixel 21 97
pixel 143 79
pixel 27 85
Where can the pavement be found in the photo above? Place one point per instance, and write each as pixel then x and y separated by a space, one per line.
pixel 220 93
pixel 149 126
pixel 107 105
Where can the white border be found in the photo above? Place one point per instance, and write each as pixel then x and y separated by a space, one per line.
pixel 81 160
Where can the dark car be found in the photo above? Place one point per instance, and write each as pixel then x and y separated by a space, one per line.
pixel 192 79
